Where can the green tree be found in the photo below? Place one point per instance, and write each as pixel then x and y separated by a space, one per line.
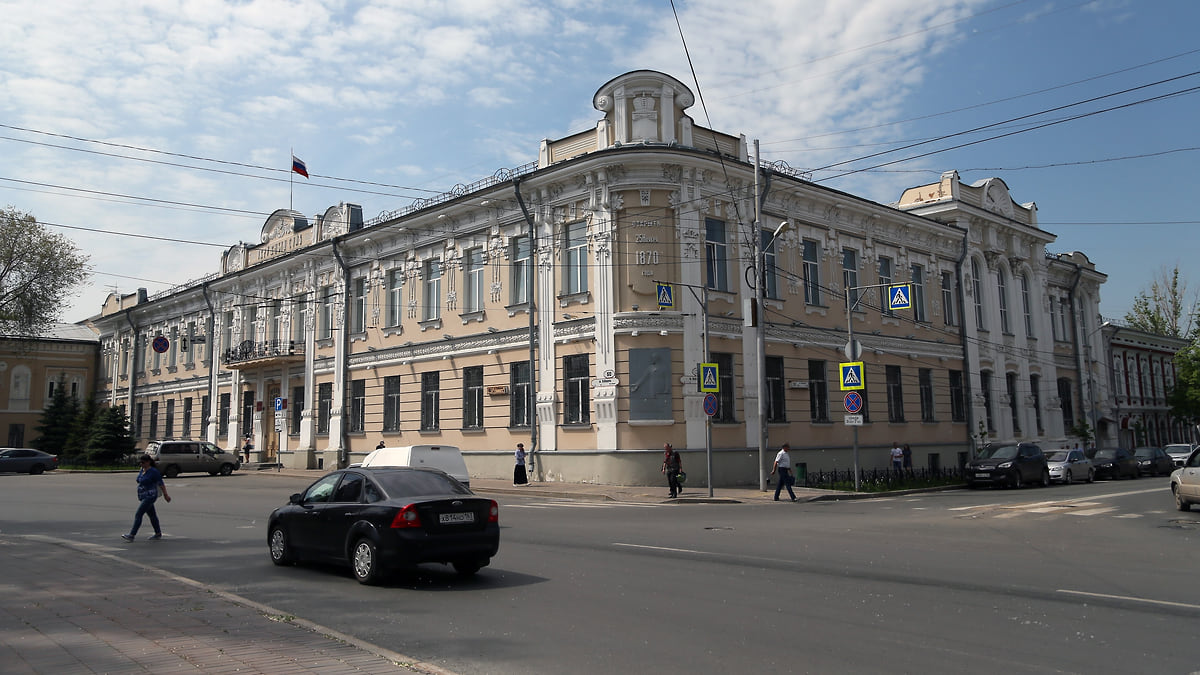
pixel 81 430
pixel 39 270
pixel 111 438
pixel 1166 309
pixel 56 421
pixel 1184 396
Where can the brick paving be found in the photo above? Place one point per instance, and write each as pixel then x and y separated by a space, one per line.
pixel 73 608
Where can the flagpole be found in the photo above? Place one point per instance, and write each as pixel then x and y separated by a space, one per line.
pixel 291 175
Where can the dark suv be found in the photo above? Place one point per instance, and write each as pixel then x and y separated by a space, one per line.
pixel 1011 464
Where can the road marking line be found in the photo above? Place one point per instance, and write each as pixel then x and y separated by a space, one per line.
pixel 1165 603
pixel 1092 512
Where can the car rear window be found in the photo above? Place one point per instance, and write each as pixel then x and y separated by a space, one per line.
pixel 400 484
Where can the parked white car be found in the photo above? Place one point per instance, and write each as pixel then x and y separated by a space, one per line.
pixel 1179 452
pixel 1185 483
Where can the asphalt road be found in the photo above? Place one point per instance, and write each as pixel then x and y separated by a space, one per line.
pixel 1069 579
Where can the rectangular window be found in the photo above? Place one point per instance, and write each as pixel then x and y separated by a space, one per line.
pixel 226 404
pixel 520 270
pixel 918 292
pixel 770 273
pixel 895 394
pixel 850 274
pixel 519 400
pixel 174 353
pixel 326 300
pixel 985 386
pixel 925 384
pixel 818 392
pixel 726 411
pixel 391 403
pixel 977 294
pixel 296 409
pixel 299 311
pixel 324 406
pixel 949 301
pixel 431 399
pixel 576 267
pixel 358 305
pixel 473 281
pixel 1002 297
pixel 395 297
pixel 227 330
pixel 247 413
pixel 153 419
pixel 1010 381
pixel 205 412
pixel 1068 405
pixel 812 273
pixel 358 406
pixel 139 409
pixel 1026 306
pixel 169 429
pixel 576 377
pixel 776 401
pixel 1035 390
pixel 885 280
pixel 716 255
pixel 189 347
pixel 187 418
pixel 473 397
pixel 276 318
pixel 433 289
pixel 250 323
pixel 958 397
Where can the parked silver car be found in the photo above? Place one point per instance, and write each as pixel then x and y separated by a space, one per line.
pixel 175 457
pixel 1185 483
pixel 1069 465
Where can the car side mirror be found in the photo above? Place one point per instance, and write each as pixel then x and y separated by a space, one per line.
pixel 296 498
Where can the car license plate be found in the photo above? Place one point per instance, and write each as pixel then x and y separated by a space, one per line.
pixel 457 517
pixel 983 475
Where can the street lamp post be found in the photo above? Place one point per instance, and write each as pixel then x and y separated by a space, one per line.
pixel 760 291
pixel 1087 348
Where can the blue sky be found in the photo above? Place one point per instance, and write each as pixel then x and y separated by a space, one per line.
pixel 156 134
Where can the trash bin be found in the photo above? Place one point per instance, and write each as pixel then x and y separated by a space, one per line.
pixel 801 473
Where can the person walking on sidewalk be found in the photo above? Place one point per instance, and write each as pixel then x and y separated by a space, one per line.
pixel 897 457
pixel 150 484
pixel 672 466
pixel 520 476
pixel 783 466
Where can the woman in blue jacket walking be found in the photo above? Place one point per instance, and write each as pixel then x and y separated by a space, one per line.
pixel 150 483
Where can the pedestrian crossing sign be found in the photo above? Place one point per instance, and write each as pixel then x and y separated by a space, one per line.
pixel 666 296
pixel 709 378
pixel 852 376
pixel 899 297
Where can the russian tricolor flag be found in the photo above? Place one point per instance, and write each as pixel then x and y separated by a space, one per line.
pixel 299 167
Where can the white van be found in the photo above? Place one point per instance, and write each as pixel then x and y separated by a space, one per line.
pixel 448 458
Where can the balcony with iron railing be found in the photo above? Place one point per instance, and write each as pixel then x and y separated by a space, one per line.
pixel 254 354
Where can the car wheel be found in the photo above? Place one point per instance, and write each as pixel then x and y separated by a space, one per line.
pixel 1137 474
pixel 1045 477
pixel 1067 479
pixel 281 550
pixel 37 469
pixel 1180 502
pixel 226 469
pixel 365 561
pixel 1017 483
pixel 468 567
pixel 171 471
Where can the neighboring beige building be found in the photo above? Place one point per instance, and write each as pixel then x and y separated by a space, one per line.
pixel 415 326
pixel 1142 372
pixel 65 355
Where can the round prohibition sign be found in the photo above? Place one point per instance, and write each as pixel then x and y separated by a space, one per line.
pixel 854 402
pixel 710 404
pixel 161 344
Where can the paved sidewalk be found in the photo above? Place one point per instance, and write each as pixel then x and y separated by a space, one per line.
pixel 75 608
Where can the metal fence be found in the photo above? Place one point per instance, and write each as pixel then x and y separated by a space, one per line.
pixel 875 480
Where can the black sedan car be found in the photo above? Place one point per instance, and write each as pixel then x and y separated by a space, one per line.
pixel 378 520
pixel 26 460
pixel 1154 461
pixel 1115 463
